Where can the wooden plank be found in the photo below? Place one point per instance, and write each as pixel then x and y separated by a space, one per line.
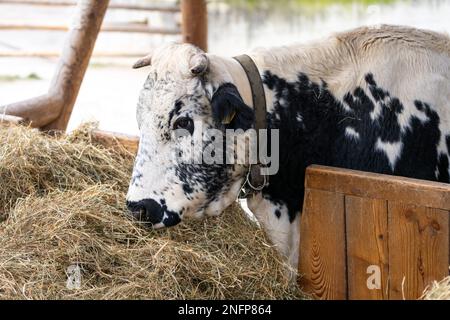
pixel 116 140
pixel 8 120
pixel 377 186
pixel 322 263
pixel 367 247
pixel 131 28
pixel 53 54
pixel 121 6
pixel 418 249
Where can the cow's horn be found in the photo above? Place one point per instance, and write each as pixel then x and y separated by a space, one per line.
pixel 143 62
pixel 199 64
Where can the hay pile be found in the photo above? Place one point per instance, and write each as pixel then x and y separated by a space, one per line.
pixel 63 206
pixel 439 291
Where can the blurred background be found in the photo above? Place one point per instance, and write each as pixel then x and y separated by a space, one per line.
pixel 110 89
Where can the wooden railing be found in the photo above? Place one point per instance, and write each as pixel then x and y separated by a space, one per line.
pixel 52 111
pixel 122 6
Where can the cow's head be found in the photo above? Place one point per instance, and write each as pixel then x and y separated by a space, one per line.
pixel 188 98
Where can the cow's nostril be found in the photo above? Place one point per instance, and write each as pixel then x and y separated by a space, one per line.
pixel 140 215
pixel 137 211
pixel 147 211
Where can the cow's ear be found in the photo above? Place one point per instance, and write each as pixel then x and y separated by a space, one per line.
pixel 229 109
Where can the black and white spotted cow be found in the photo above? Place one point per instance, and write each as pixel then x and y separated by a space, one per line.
pixel 373 99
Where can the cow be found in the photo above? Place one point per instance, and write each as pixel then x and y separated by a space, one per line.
pixel 375 99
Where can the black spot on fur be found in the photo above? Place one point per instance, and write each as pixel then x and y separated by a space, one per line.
pixel 213 180
pixel 448 144
pixel 175 111
pixel 443 168
pixel 278 214
pixel 172 219
pixel 320 136
pixel 420 152
pixel 187 189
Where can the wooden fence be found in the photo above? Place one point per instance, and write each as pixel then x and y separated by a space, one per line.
pixel 52 111
pixel 370 236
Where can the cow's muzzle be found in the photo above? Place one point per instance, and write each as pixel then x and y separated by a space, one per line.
pixel 152 214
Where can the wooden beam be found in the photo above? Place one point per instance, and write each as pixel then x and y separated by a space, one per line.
pixel 53 54
pixel 53 110
pixel 121 6
pixel 75 58
pixel 37 111
pixel 7 119
pixel 195 23
pixel 127 28
pixel 377 186
pixel 116 140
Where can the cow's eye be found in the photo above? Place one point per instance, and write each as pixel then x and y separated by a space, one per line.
pixel 184 124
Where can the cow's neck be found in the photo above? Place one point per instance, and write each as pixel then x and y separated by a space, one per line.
pixel 305 123
pixel 298 84
pixel 303 108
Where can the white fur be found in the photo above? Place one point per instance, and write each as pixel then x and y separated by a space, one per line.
pixel 392 151
pixel 351 133
pixel 284 235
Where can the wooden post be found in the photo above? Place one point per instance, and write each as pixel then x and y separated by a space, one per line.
pixel 195 23
pixel 52 111
pixel 75 58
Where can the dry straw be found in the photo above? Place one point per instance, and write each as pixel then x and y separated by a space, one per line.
pixel 62 202
pixel 439 291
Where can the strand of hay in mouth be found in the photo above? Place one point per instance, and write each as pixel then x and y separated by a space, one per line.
pixel 69 212
pixel 439 291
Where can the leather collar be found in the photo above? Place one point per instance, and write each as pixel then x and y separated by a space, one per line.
pixel 256 181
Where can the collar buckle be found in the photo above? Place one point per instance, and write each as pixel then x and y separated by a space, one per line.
pixel 255 182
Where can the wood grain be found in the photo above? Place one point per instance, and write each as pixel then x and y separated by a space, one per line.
pixel 322 263
pixel 377 186
pixel 367 245
pixel 418 248
pixel 116 140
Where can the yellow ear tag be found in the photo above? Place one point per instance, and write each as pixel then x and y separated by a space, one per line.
pixel 230 118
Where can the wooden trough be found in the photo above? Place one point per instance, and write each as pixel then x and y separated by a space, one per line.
pixel 372 237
